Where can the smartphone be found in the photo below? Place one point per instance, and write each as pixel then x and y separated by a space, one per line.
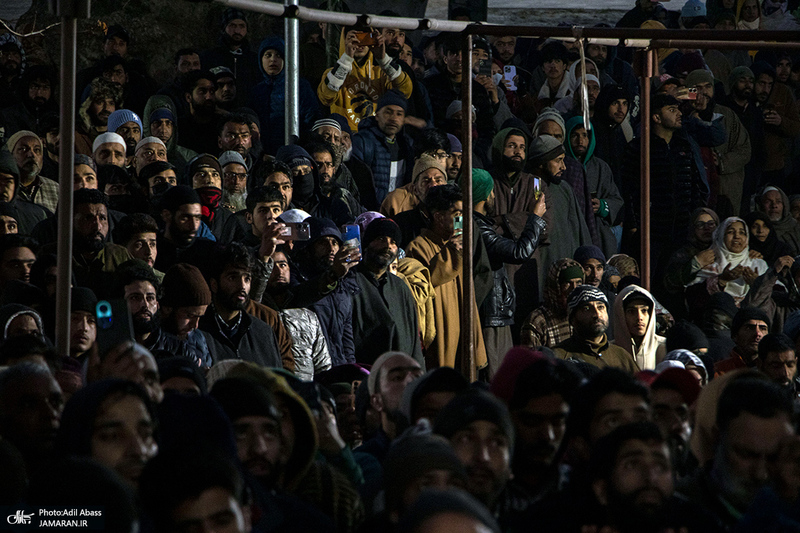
pixel 509 73
pixel 114 324
pixel 296 231
pixel 366 38
pixel 593 195
pixel 485 68
pixel 537 188
pixel 352 237
pixel 458 224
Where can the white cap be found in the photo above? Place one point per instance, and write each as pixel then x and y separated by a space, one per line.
pixel 149 140
pixel 108 137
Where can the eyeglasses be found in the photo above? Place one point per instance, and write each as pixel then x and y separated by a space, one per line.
pixel 440 155
pixel 236 175
pixel 231 136
pixel 705 225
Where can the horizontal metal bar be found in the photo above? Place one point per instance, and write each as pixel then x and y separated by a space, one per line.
pixel 377 21
pixel 259 6
pixel 334 17
pixel 735 45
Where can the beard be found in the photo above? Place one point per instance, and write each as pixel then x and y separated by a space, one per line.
pixel 10 69
pixel 347 153
pixel 93 243
pixel 595 329
pixel 145 323
pixel 511 164
pixel 232 302
pixel 277 288
pixel 632 516
pixel 381 258
pixel 235 199
pixel 31 169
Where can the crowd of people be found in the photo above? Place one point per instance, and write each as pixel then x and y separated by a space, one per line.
pixel 294 359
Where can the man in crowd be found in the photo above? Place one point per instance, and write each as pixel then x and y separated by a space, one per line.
pixel 750 325
pixel 28 150
pixel 234 53
pixel 777 360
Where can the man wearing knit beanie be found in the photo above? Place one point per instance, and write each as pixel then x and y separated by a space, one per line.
pixel 185 298
pixel 471 421
pixel 454 161
pixel 750 325
pixel 593 262
pixel 428 172
pixel 549 122
pixel 497 310
pixel 83 324
pixel 588 316
pixel 128 125
pixel 384 310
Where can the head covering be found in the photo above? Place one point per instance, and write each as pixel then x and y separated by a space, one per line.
pixel 515 361
pixel 689 360
pixel 83 159
pixel 647 353
pixel 178 196
pixel 181 367
pixel 200 161
pixel 482 185
pixel 791 327
pixel 381 227
pixel 161 113
pixel 772 248
pixel 456 106
pixel 229 157
pixel 392 97
pixel 293 216
pixel 739 73
pixel 9 312
pixel 220 73
pixel 681 380
pixel 549 113
pixel 240 397
pixel 423 163
pixel 323 227
pixel 696 215
pixel 149 140
pixel 432 502
pixel 693 8
pixel 108 137
pixel 472 406
pixel 18 136
pixel 584 294
pixel 122 116
pixel 746 314
pixel 83 299
pixel 364 219
pixel 543 149
pixel 326 122
pixel 231 14
pixel 374 372
pixel 588 251
pixel 455 144
pixel 184 286
pixel 685 335
pixel 699 75
pixel 343 123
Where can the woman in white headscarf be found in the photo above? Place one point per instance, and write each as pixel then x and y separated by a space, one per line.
pixel 733 269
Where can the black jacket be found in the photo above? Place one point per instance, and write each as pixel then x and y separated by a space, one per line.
pixel 497 309
pixel 254 341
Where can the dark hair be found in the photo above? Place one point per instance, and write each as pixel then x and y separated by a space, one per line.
pixel 89 196
pixel 318 147
pixel 543 378
pixel 442 198
pixel 17 240
pixel 184 52
pixel 190 80
pixel 586 398
pixel 554 50
pixel 233 255
pixel 134 224
pixel 451 43
pixel 24 345
pixel 753 395
pixel 261 195
pixel 112 175
pixel 431 140
pixel 272 166
pixel 131 272
pixel 605 451
pixel 236 118
pixel 774 343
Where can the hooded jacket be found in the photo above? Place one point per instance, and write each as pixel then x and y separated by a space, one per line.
pixel 177 155
pixel 371 147
pixel 9 312
pixel 653 348
pixel 268 100
pixel 600 181
pixel 610 141
pixel 352 88
pixel 28 213
pixel 787 228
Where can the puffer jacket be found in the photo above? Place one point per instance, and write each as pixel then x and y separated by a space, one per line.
pixel 497 310
pixel 268 100
pixel 369 145
pixel 309 348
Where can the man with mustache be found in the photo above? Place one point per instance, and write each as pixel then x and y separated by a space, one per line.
pixel 231 332
pixel 128 125
pixel 28 151
pixel 36 93
pixel 588 315
pixel 104 97
pixel 384 310
pixel 198 130
pixel 17 255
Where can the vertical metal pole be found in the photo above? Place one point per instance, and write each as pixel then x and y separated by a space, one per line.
pixel 292 66
pixel 644 226
pixel 66 161
pixel 467 305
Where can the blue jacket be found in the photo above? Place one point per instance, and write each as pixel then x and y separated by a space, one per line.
pixel 268 100
pixel 370 146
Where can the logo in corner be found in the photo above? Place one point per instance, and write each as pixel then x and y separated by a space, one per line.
pixel 19 518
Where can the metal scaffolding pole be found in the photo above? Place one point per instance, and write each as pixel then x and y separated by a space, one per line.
pixel 292 66
pixel 467 309
pixel 644 174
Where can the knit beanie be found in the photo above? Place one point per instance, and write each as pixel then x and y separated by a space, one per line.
pixel 108 137
pixel 588 251
pixel 83 159
pixel 14 139
pixel 423 163
pixel 699 75
pixel 162 113
pixel 693 8
pixel 200 161
pixel 434 502
pixel 570 273
pixel 392 98
pixel 482 185
pixel 231 14
pixel 120 117
pixel 745 314
pixel 549 113
pixel 381 227
pixel 184 286
pixel 326 122
pixel 455 144
pixel 7 164
pixel 344 125
pixel 543 149
pixel 739 73
pixel 226 158
pixel 178 196
pixel 456 106
pixel 472 406
pixel 83 299
pixel 722 301
pixel 442 379
pixel 7 209
pixel 181 367
pixel 413 456
pixel 685 335
pixel 584 294
pixel 240 397
pixel 149 140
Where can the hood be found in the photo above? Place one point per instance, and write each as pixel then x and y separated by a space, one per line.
pixel 607 95
pixel 9 38
pixel 276 43
pixel 9 166
pixel 573 123
pixel 11 311
pixel 159 101
pixel 499 141
pixel 553 299
pixel 645 356
pixel 786 215
pixel 747 25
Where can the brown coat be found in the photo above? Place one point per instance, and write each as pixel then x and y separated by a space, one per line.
pixel 444 263
pixel 270 316
pixel 778 139
pixel 399 200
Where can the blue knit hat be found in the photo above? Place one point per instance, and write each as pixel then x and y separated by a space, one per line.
pixel 455 144
pixel 392 98
pixel 162 112
pixel 120 117
pixel 589 251
pixel 693 8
